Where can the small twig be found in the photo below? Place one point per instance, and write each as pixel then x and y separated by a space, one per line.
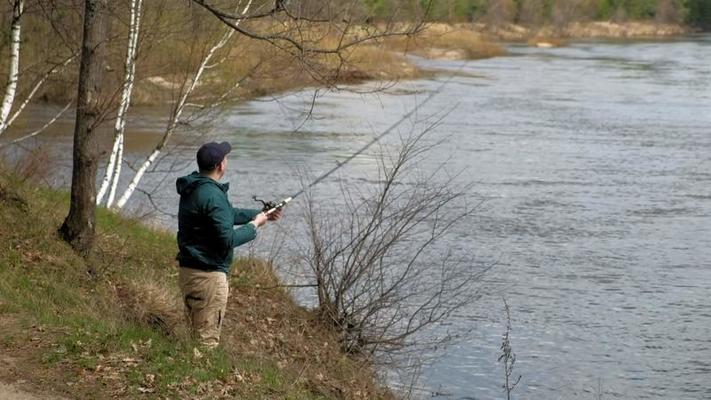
pixel 507 355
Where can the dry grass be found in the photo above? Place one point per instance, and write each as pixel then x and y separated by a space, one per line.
pixel 449 42
pixel 151 303
pixel 581 30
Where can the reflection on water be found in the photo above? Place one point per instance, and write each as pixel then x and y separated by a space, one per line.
pixel 596 163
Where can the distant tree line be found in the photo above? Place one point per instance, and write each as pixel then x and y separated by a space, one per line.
pixel 540 12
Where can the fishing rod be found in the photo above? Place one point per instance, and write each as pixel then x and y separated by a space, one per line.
pixel 269 206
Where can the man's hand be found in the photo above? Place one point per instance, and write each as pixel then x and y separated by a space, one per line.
pixel 260 219
pixel 275 215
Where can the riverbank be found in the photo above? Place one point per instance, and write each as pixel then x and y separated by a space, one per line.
pixel 388 59
pixel 111 326
pixel 264 71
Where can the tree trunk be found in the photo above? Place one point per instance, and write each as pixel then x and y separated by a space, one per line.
pixel 174 119
pixel 78 227
pixel 14 63
pixel 113 169
pixel 177 112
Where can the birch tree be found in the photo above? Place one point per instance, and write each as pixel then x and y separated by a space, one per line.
pixel 7 114
pixel 177 113
pixel 299 32
pixel 14 70
pixel 113 168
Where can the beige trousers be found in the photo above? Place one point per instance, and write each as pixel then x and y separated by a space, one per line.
pixel 205 296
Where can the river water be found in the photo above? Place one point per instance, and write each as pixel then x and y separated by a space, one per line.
pixel 594 161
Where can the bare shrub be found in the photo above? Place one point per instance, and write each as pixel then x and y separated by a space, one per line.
pixel 32 166
pixel 9 197
pixel 565 11
pixel 499 12
pixel 670 11
pixel 380 279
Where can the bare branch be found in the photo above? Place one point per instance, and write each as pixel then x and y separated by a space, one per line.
pixel 54 69
pixel 42 128
pixel 284 41
pixel 377 282
pixel 175 118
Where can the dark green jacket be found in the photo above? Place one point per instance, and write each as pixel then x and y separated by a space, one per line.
pixel 206 219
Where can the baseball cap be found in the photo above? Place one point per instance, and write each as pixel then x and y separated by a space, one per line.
pixel 211 154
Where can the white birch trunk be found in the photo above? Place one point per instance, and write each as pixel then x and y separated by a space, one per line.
pixel 178 110
pixel 113 168
pixel 11 88
pixel 109 173
pixel 37 86
pixel 117 173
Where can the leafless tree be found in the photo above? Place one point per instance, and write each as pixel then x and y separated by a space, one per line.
pixel 670 11
pixel 532 12
pixel 499 12
pixel 187 88
pixel 14 64
pixel 10 109
pixel 556 13
pixel 313 34
pixel 380 277
pixel 566 11
pixel 79 226
pixel 113 168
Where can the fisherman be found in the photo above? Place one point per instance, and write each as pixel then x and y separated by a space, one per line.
pixel 206 239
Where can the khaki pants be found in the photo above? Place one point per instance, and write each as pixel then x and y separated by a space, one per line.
pixel 205 296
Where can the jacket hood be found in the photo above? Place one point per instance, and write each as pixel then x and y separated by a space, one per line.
pixel 188 183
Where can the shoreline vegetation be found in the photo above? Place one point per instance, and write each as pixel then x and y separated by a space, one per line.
pixel 111 326
pixel 389 59
pixel 254 70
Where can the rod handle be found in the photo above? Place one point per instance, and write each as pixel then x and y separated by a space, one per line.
pixel 280 205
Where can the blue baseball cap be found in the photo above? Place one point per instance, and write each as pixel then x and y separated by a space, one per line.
pixel 211 154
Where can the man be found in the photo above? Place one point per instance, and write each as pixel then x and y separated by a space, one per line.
pixel 206 239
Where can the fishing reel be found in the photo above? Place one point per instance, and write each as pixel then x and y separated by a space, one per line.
pixel 266 205
pixel 269 207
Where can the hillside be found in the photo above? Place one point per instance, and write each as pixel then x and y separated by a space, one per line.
pixel 111 327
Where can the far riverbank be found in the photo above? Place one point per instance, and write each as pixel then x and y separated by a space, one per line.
pixel 267 72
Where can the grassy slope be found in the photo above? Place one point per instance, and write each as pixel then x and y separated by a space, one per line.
pixel 121 333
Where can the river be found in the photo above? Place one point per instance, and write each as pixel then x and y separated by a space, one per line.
pixel 594 161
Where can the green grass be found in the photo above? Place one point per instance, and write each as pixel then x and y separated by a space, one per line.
pixel 56 292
